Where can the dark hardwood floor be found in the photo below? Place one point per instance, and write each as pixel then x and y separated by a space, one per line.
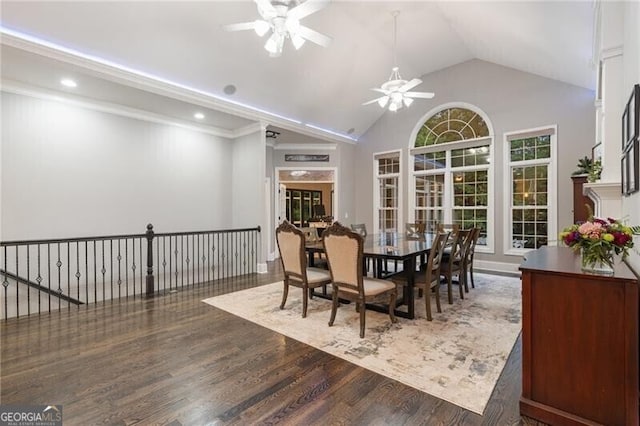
pixel 175 360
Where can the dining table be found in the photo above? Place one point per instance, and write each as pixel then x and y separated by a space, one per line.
pixel 385 247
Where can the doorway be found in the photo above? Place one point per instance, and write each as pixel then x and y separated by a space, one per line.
pixel 305 193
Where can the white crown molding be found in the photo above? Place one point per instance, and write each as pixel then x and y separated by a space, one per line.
pixel 248 130
pixel 133 78
pixel 611 52
pixel 18 88
pixel 305 147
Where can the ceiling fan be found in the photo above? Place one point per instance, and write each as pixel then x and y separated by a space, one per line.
pixel 282 18
pixel 396 90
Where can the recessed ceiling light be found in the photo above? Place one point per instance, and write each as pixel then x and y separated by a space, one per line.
pixel 229 89
pixel 199 116
pixel 67 82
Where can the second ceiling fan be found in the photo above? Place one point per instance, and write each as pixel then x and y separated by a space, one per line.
pixel 395 91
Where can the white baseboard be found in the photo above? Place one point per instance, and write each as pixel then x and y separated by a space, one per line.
pixel 262 268
pixel 503 267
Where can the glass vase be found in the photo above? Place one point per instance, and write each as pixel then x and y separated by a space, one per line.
pixel 596 264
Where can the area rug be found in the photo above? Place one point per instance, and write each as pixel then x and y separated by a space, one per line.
pixel 457 357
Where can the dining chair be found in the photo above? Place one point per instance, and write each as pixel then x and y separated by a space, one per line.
pixel 451 227
pixel 452 265
pixel 311 236
pixel 344 250
pixel 414 229
pixel 469 255
pixel 427 280
pixel 291 241
pixel 361 229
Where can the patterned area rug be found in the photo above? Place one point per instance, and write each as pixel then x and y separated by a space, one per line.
pixel 457 357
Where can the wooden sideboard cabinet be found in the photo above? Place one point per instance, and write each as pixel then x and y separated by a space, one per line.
pixel 579 342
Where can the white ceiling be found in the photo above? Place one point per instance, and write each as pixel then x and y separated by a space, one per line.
pixel 183 43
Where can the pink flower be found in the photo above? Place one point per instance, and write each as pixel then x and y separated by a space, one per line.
pixel 591 229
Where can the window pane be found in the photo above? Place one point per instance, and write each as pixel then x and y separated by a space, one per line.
pixel 429 199
pixel 430 161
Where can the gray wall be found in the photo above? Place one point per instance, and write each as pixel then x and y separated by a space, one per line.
pixel 512 100
pixel 69 171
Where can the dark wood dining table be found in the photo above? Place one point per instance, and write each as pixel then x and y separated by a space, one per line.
pixel 395 247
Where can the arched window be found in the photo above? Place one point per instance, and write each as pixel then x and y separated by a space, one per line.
pixel 450 125
pixel 452 156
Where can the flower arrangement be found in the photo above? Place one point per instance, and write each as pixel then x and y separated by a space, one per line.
pixel 598 239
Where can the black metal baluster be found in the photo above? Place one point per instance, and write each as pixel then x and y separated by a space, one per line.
pixel 164 261
pixel 95 275
pixel 182 261
pixel 78 274
pixel 119 282
pixel 150 279
pixel 28 280
pixel 170 270
pixel 176 255
pixel 111 269
pixel 17 292
pixel 126 266
pixel 38 279
pixel 86 272
pixel 193 264
pixel 158 259
pixel 133 265
pixel 208 257
pixel 68 277
pixel 141 269
pixel 5 284
pixel 198 255
pixel 103 270
pixel 59 264
pixel 49 274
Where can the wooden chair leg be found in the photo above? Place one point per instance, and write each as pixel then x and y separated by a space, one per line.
pixel 392 304
pixel 304 301
pixel 285 292
pixel 473 284
pixel 449 288
pixel 438 298
pixel 460 283
pixel 362 319
pixel 427 304
pixel 334 306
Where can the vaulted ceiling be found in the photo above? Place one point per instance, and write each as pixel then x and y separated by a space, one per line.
pixel 128 51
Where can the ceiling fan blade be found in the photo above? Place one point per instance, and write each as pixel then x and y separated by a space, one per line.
pixel 241 26
pixel 313 36
pixel 423 95
pixel 307 8
pixel 266 9
pixel 373 101
pixel 410 85
pixel 377 89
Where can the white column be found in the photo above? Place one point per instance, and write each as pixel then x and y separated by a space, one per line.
pixel 606 193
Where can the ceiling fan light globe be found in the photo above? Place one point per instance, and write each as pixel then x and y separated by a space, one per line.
pixel 261 27
pixel 407 101
pixel 393 107
pixel 297 41
pixel 274 44
pixel 383 101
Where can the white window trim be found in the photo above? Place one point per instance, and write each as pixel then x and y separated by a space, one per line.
pixel 552 189
pixel 376 189
pixel 467 143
